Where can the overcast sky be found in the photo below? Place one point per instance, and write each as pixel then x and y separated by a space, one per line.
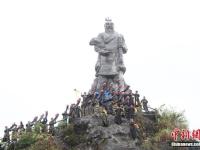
pixel 45 53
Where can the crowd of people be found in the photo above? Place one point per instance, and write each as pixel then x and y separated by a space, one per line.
pixel 40 125
pixel 109 101
pixel 120 104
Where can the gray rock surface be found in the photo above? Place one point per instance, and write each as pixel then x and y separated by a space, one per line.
pixel 113 137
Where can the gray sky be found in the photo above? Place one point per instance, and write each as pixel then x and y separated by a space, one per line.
pixel 44 53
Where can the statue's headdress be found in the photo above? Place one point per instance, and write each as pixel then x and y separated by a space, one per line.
pixel 108 21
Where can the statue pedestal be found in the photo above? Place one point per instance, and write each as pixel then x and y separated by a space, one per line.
pixel 116 83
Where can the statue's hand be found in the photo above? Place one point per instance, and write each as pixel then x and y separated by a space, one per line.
pixel 104 52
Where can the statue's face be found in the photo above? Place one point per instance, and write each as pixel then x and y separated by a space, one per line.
pixel 109 27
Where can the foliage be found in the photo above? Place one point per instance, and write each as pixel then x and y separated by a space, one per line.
pixel 71 135
pixel 38 127
pixel 34 141
pixel 44 141
pixel 26 140
pixel 168 119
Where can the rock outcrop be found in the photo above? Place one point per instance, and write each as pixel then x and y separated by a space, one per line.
pixel 113 137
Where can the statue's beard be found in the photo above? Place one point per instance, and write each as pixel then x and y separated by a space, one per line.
pixel 109 29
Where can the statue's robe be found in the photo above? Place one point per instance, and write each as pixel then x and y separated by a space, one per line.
pixel 110 47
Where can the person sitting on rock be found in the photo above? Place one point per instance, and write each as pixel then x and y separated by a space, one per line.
pixel 135 131
pixel 103 115
pixel 132 129
pixel 118 114
pixel 138 134
pixel 96 108
pixel 110 108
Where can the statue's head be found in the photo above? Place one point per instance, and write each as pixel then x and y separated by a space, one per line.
pixel 109 25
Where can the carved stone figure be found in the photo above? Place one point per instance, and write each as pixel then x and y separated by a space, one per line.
pixel 110 47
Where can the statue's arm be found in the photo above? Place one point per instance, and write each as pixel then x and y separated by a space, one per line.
pixel 123 44
pixel 93 42
pixel 101 51
pixel 97 49
pixel 97 43
pixel 124 48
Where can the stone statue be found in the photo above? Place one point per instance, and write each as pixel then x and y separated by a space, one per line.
pixel 110 47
